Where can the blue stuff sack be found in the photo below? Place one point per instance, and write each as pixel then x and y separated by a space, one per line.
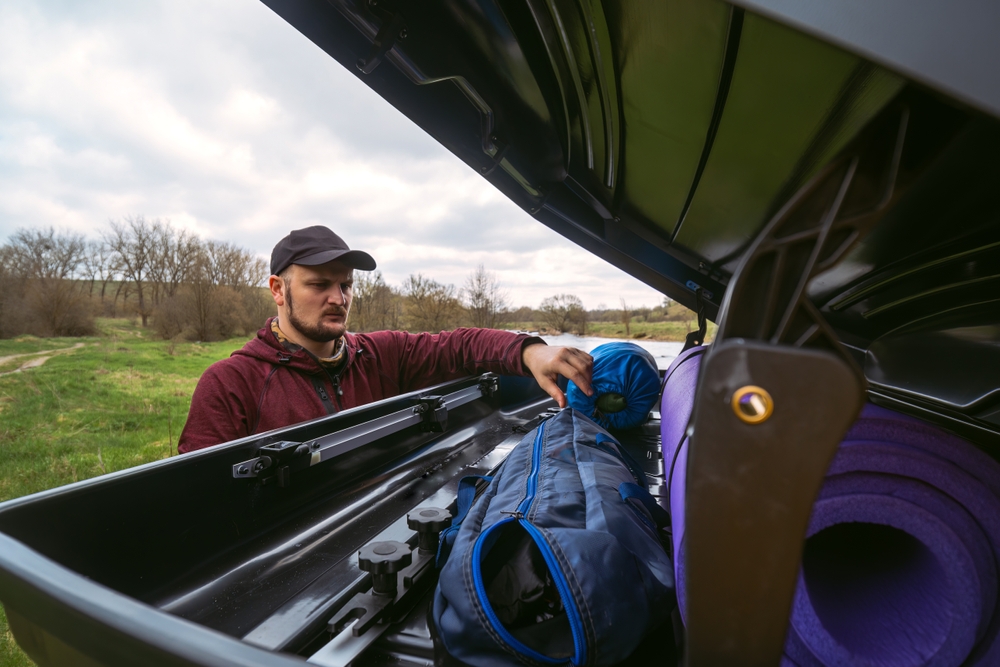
pixel 560 560
pixel 626 386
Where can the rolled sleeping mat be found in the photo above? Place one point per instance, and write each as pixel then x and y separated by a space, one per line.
pixel 626 384
pixel 902 553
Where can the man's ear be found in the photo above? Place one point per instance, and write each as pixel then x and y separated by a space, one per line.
pixel 277 287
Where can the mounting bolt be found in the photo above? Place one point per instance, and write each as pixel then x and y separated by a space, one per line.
pixel 243 470
pixel 428 522
pixel 384 560
pixel 402 33
pixel 262 463
pixel 752 404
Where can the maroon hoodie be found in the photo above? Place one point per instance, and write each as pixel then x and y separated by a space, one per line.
pixel 264 386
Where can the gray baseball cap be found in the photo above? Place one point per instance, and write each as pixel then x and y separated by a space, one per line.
pixel 316 245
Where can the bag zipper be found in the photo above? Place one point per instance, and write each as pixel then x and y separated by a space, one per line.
pixel 536 464
pixel 558 577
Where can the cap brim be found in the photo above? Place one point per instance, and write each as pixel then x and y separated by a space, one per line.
pixel 356 259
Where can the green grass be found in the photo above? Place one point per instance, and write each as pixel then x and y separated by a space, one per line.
pixel 10 654
pixel 119 401
pixel 675 331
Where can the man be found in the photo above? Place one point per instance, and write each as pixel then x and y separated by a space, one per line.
pixel 304 364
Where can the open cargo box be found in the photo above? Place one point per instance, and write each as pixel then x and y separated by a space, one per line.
pixel 173 563
pixel 819 179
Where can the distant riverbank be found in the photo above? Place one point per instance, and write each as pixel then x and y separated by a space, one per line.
pixel 663 351
pixel 668 331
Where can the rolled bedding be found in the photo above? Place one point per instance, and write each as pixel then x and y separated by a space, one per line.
pixel 902 553
pixel 626 383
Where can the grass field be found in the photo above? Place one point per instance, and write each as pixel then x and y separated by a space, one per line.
pixel 116 401
pixel 675 331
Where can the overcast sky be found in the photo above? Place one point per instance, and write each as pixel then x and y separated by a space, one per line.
pixel 219 116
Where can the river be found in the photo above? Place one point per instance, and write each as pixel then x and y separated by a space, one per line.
pixel 663 351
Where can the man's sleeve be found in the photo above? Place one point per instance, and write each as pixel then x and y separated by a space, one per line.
pixel 219 413
pixel 428 359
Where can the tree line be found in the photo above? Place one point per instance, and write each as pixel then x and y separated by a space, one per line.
pixel 57 283
pixel 182 286
pixel 423 304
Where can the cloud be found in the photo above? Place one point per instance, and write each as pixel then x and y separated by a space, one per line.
pixel 224 119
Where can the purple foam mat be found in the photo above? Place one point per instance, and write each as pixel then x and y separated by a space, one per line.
pixel 901 561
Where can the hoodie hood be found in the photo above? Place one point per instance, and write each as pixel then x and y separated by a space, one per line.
pixel 267 348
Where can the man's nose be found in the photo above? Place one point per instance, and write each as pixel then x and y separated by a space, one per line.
pixel 337 296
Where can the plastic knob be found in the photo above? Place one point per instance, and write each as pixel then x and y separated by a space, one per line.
pixel 384 560
pixel 428 522
pixel 384 557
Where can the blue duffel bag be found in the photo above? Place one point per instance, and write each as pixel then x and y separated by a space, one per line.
pixel 560 561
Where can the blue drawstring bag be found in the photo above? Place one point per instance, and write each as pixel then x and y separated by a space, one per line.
pixel 560 561
pixel 626 385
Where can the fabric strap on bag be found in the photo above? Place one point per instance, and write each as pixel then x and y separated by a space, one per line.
pixel 466 497
pixel 629 491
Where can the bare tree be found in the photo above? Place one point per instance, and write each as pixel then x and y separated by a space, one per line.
pixel 197 308
pixel 44 255
pixel 100 266
pixel 485 299
pixel 430 306
pixel 46 265
pixel 174 255
pixel 626 316
pixel 221 296
pixel 245 274
pixel 564 312
pixel 9 295
pixel 134 244
pixel 235 267
pixel 376 305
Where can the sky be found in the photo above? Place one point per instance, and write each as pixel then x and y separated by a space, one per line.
pixel 220 117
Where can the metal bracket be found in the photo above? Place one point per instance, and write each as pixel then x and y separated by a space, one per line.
pixel 753 475
pixel 433 412
pixel 392 593
pixel 489 383
pixel 384 38
pixel 697 337
pixel 370 607
pixel 276 461
pixel 392 28
pixel 776 394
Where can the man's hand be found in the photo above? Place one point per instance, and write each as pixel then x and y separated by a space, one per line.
pixel 548 363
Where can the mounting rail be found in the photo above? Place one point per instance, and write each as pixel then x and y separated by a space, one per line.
pixel 429 410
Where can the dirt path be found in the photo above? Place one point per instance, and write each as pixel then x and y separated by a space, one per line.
pixel 37 360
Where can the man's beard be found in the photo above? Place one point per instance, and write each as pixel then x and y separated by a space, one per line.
pixel 317 332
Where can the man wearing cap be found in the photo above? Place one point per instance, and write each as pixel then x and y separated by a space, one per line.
pixel 303 364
